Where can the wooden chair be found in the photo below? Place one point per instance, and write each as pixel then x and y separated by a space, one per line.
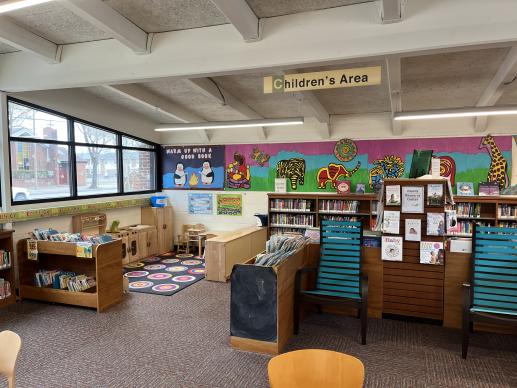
pixel 491 296
pixel 10 344
pixel 315 368
pixel 182 239
pixel 194 239
pixel 339 280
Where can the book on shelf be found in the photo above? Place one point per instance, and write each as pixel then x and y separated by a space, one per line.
pixel 413 229
pixel 313 234
pixel 488 188
pixel 435 224
pixel 451 221
pixel 465 188
pixel 431 252
pixel 393 195
pixel 343 187
pixel 338 205
pixel 507 224
pixel 391 248
pixel 291 204
pixel 62 280
pixel 360 188
pixel 334 217
pixel 81 283
pixel 435 195
pixel 468 209
pixel 5 289
pixel 508 211
pixel 5 259
pixel 292 219
pixel 280 185
pixel 391 222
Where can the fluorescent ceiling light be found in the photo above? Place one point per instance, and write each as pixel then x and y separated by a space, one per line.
pixel 12 5
pixel 458 112
pixel 230 124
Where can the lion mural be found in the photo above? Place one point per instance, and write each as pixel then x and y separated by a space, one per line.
pixel 390 166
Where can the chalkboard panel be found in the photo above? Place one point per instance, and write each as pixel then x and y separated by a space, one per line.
pixel 253 303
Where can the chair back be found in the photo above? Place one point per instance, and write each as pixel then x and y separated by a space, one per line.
pixel 494 271
pixel 10 344
pixel 315 368
pixel 339 272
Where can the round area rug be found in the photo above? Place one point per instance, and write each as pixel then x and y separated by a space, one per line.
pixel 177 268
pixel 134 265
pixel 136 274
pixel 165 287
pixel 184 255
pixel 196 271
pixel 152 260
pixel 170 261
pixel 159 276
pixel 183 278
pixel 153 267
pixel 191 262
pixel 140 284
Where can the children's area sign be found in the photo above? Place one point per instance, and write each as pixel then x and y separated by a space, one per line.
pixel 346 78
pixel 323 166
pixel 193 167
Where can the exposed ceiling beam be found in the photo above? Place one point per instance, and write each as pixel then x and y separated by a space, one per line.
pixel 507 73
pixel 395 87
pixel 20 38
pixel 147 98
pixel 430 29
pixel 114 24
pixel 210 89
pixel 392 10
pixel 239 13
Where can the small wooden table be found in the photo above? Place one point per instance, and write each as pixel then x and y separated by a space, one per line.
pixel 204 235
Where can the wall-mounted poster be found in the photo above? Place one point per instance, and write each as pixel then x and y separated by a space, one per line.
pixel 229 204
pixel 412 199
pixel 200 203
pixel 193 167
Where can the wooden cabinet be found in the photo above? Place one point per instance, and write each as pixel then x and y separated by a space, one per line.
pixel 133 246
pixel 147 240
pixel 161 217
pixel 7 272
pixel 124 236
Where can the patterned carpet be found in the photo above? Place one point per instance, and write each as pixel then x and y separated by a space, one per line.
pixel 148 341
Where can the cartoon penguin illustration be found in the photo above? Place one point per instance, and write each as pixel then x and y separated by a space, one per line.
pixel 207 175
pixel 179 175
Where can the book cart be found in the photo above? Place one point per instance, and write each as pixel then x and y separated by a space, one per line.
pixel 105 266
pixel 7 272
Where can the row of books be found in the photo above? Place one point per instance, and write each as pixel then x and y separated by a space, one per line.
pixel 5 259
pixel 339 205
pixel 507 224
pixel 431 252
pixel 507 211
pixel 292 204
pixel 466 209
pixel 466 228
pixel 292 219
pixel 5 289
pixel 333 217
pixel 54 235
pixel 62 280
pixel 275 231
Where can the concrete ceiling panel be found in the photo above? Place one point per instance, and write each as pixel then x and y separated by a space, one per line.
pixel 270 8
pixel 4 48
pixel 448 80
pixel 169 15
pixel 509 96
pixel 54 22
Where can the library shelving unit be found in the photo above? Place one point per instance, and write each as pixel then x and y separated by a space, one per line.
pixel 297 212
pixel 105 266
pixel 7 273
pixel 486 211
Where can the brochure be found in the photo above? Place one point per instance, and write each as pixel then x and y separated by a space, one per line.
pixel 435 224
pixel 413 229
pixel 465 188
pixel 412 199
pixel 431 252
pixel 391 222
pixel 488 188
pixel 435 195
pixel 391 248
pixel 393 195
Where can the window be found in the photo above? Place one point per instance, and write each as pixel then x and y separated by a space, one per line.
pixel 54 157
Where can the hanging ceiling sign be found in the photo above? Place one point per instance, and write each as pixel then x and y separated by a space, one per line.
pixel 346 78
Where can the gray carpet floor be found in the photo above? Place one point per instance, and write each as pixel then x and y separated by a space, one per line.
pixel 182 341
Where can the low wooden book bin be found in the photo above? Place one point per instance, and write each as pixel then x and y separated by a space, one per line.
pixel 339 281
pixel 491 297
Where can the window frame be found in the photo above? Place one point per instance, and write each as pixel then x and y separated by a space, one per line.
pixel 72 144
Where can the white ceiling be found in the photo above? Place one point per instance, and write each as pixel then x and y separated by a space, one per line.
pixel 270 8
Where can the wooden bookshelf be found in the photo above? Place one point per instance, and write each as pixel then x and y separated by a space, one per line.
pixel 297 211
pixel 6 244
pixel 105 266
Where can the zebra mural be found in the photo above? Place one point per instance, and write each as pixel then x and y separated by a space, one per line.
pixel 292 169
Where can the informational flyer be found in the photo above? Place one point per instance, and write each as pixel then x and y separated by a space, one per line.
pixel 391 222
pixel 229 204
pixel 412 199
pixel 391 248
pixel 200 203
pixel 413 229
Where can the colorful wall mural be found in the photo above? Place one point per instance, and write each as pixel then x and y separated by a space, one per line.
pixel 319 166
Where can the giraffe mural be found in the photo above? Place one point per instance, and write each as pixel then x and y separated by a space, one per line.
pixel 498 165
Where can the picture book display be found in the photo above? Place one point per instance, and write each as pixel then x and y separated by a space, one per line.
pixel 412 199
pixel 360 188
pixel 280 185
pixel 391 248
pixel 391 222
pixel 5 289
pixel 393 195
pixel 343 187
pixel 413 229
pixel 435 195
pixel 451 221
pixel 435 224
pixel 5 259
pixel 431 252
pixel 488 188
pixel 465 188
